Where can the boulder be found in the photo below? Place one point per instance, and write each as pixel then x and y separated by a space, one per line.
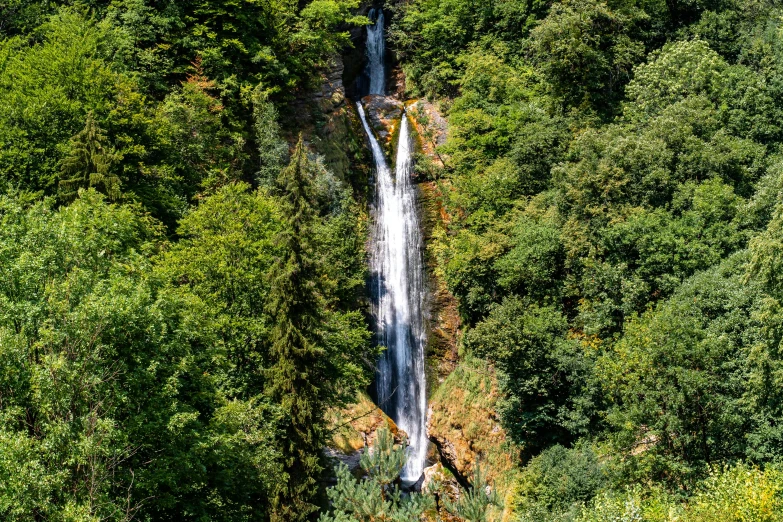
pixel 384 115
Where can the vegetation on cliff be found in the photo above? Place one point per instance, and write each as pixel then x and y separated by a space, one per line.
pixel 612 189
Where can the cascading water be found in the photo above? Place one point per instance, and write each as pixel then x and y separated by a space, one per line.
pixel 397 272
pixel 398 280
pixel 376 53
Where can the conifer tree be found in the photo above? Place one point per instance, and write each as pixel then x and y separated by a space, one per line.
pixel 297 349
pixel 272 149
pixel 89 163
pixel 377 497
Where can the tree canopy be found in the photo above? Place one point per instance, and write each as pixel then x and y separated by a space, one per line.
pixel 611 191
pixel 183 278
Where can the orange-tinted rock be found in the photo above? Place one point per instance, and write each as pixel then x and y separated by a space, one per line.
pixel 354 428
pixel 384 115
pixel 463 423
pixel 431 127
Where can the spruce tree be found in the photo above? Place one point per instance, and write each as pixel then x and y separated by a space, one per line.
pixel 272 149
pixel 89 162
pixel 297 349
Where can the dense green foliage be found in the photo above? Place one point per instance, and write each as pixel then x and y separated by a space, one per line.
pixel 163 94
pixel 733 494
pixel 182 290
pixel 113 400
pixel 377 496
pixel 134 376
pixel 612 181
pixel 165 279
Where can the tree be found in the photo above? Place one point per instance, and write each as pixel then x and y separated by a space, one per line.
pixel 543 374
pixel 89 163
pixel 47 98
pixel 686 379
pixel 239 224
pixel 377 497
pixel 586 51
pixel 297 352
pixel 272 150
pixel 679 70
pixel 558 481
pixel 317 350
pixel 113 407
pixel 431 36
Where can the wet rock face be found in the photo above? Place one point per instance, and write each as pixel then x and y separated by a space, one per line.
pixel 331 96
pixel 355 57
pixel 331 126
pixel 384 115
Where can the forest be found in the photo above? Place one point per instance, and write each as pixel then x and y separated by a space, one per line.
pixel 184 258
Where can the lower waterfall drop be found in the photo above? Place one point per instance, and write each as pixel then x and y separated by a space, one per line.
pixel 398 297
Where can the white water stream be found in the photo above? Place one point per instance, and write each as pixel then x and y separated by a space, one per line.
pixel 398 279
pixel 376 52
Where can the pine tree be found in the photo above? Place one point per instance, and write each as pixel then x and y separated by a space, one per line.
pixel 376 498
pixel 297 349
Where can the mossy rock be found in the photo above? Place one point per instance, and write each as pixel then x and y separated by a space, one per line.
pixel 384 115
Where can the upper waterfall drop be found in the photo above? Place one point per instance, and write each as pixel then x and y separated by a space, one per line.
pixel 376 52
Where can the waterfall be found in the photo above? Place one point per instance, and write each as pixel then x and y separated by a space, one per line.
pixel 398 288
pixel 376 51
pixel 397 277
